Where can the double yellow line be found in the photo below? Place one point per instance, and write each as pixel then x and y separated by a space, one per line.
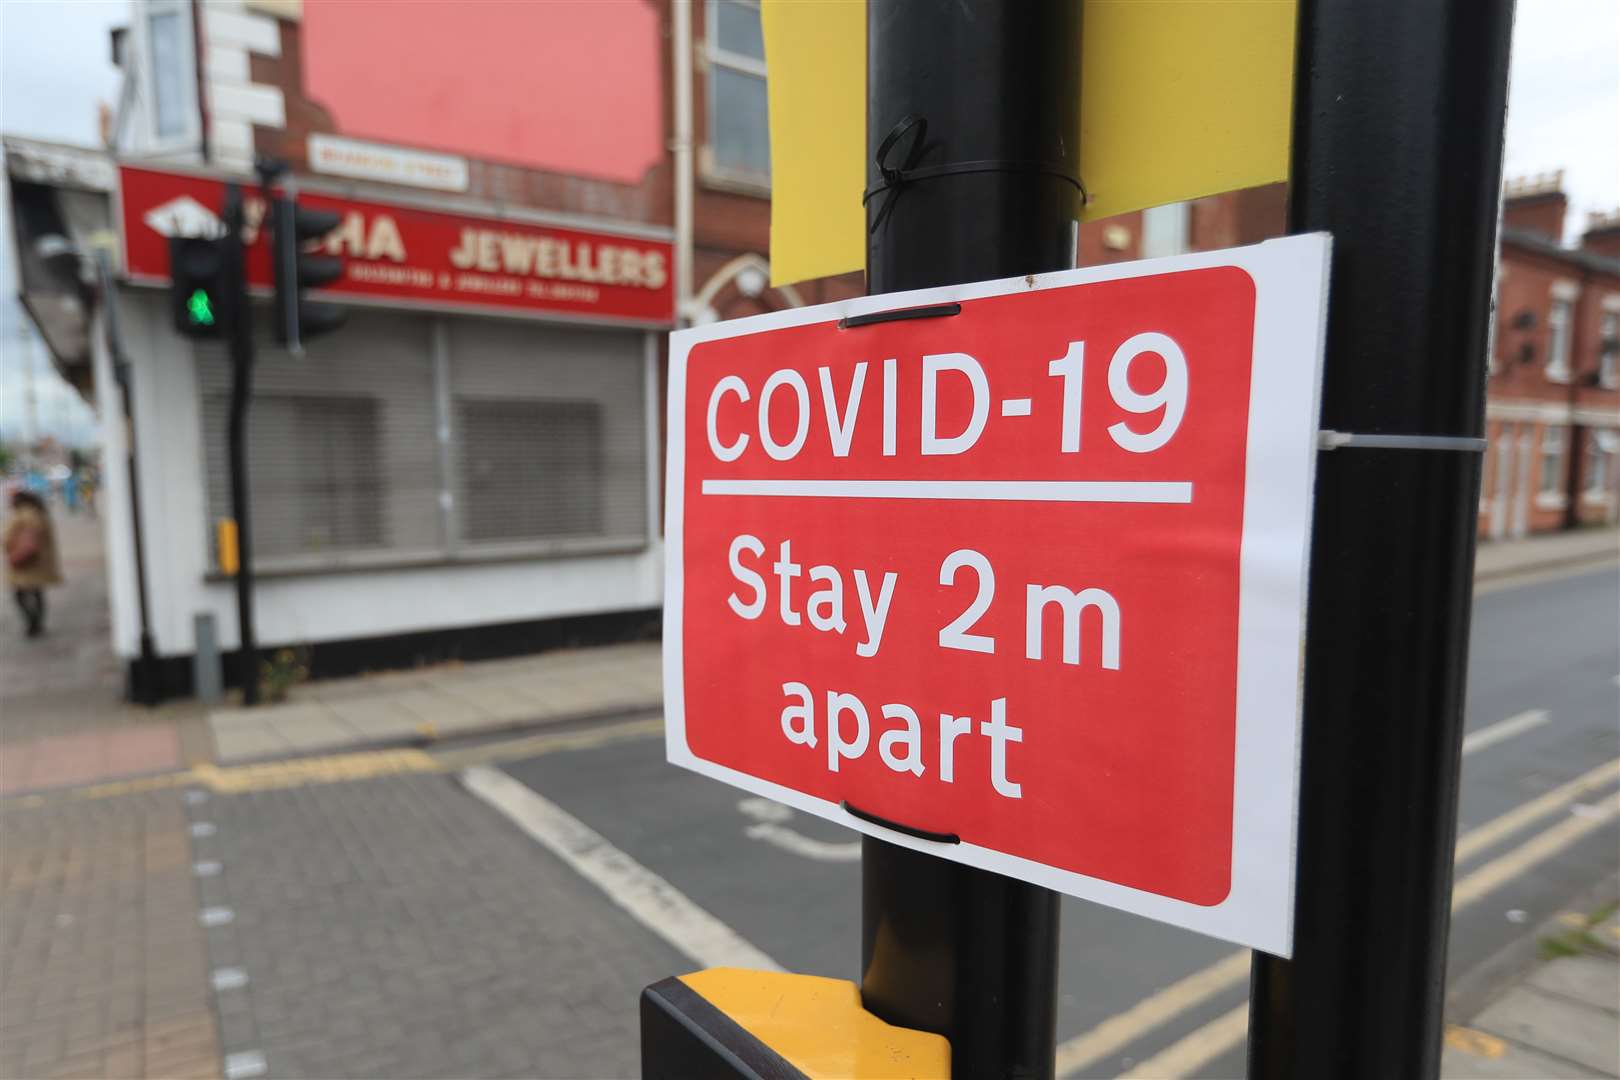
pixel 1227 1031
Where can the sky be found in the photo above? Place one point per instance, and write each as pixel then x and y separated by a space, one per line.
pixel 1563 113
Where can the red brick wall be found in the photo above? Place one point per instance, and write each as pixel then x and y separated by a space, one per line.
pixel 1604 241
pixel 1542 213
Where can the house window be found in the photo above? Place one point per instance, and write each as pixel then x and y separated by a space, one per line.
pixel 530 469
pixel 1552 461
pixel 739 137
pixel 169 71
pixel 1558 334
pixel 1609 350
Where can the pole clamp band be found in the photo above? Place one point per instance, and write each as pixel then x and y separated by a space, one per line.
pixel 1328 439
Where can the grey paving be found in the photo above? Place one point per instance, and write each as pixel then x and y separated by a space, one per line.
pixel 1556 1026
pixel 1591 980
pixel 1513 1063
pixel 398 928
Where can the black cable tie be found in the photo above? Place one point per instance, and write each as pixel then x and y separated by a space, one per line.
pixel 930 311
pixel 895 178
pixel 908 830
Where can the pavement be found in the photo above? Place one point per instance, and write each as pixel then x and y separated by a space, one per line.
pixel 320 889
pixel 1562 1019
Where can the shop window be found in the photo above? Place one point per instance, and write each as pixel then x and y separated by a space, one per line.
pixel 530 469
pixel 1558 335
pixel 1552 462
pixel 739 138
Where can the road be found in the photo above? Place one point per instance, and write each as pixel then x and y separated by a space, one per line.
pixel 1537 829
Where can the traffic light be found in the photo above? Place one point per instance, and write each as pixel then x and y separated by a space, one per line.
pixel 295 270
pixel 197 270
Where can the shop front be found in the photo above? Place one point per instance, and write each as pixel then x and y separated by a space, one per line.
pixel 470 466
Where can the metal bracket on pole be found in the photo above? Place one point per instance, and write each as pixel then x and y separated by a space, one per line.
pixel 1328 439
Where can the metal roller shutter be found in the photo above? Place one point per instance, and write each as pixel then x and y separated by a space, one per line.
pixel 343 466
pixel 549 436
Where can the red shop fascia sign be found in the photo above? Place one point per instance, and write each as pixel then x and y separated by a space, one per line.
pixel 405 255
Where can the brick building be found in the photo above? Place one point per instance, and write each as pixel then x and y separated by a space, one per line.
pixel 530 199
pixel 1553 398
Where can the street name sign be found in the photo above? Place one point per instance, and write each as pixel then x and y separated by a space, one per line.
pixel 1018 579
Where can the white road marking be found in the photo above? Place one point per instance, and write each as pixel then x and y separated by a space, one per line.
pixel 772 818
pixel 1184 1057
pixel 216 916
pixel 244 1065
pixel 229 978
pixel 1126 1027
pixel 649 899
pixel 762 809
pixel 1015 406
pixel 807 846
pixel 202 828
pixel 1077 491
pixel 1503 730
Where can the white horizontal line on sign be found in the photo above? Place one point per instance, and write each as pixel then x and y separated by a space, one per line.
pixel 1099 491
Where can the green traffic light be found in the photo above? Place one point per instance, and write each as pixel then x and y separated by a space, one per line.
pixel 200 308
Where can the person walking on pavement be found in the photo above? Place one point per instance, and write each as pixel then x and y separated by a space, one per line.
pixel 32 562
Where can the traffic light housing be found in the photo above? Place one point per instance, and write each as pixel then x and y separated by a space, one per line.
pixel 295 270
pixel 197 292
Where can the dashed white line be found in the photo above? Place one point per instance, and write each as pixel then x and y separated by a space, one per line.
pixel 229 978
pixel 244 1065
pixel 216 916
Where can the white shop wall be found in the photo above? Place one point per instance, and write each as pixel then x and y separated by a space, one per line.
pixel 362 494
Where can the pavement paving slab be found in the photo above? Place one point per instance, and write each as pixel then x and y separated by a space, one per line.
pixel 1557 1026
pixel 1591 980
pixel 103 970
pixel 398 927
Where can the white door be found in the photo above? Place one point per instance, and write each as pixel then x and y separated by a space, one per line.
pixel 1521 486
pixel 1502 481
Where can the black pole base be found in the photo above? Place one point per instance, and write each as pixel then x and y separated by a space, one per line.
pixel 965 952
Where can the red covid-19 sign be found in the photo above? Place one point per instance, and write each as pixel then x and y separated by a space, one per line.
pixel 1017 580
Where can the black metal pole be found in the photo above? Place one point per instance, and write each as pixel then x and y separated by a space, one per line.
pixel 1397 151
pixel 239 334
pixel 946 948
pixel 143 682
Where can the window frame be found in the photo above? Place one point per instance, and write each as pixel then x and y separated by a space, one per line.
pixel 745 181
pixel 1608 369
pixel 1560 332
pixel 189 137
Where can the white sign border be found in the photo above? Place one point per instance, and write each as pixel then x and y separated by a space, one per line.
pixel 1290 276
